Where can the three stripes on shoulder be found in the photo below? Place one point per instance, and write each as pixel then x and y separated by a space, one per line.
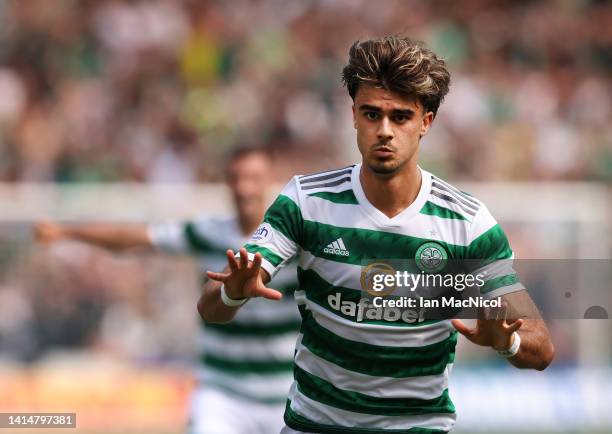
pixel 332 178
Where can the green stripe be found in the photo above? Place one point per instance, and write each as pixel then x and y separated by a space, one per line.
pixel 325 392
pixel 344 197
pixel 268 254
pixel 499 282
pixel 490 246
pixel 256 330
pixel 365 244
pixel 318 290
pixel 431 208
pixel 377 360
pixel 301 423
pixel 198 243
pixel 247 366
pixel 285 216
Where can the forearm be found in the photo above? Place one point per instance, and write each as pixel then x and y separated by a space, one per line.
pixel 536 350
pixel 111 237
pixel 210 306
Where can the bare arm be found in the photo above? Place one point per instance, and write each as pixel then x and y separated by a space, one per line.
pixel 521 315
pixel 115 237
pixel 242 279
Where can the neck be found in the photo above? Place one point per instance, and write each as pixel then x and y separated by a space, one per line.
pixel 391 194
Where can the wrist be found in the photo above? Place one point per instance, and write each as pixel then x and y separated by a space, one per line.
pixel 229 301
pixel 513 348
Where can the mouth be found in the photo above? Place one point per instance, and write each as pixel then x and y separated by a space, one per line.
pixel 382 152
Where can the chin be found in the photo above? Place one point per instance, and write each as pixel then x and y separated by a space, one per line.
pixel 383 167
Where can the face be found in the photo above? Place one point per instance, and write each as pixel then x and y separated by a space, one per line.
pixel 249 177
pixel 389 127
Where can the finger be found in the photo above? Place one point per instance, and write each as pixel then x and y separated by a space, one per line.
pixel 514 326
pixel 231 261
pixel 269 293
pixel 244 258
pixel 462 328
pixel 481 313
pixel 256 262
pixel 501 311
pixel 219 277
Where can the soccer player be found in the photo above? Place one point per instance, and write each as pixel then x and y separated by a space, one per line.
pixel 245 367
pixel 373 372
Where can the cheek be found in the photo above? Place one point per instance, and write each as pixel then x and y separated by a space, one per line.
pixel 411 131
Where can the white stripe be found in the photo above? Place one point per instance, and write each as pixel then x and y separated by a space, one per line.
pixel 465 196
pixel 334 189
pixel 168 237
pixel 483 221
pixel 242 348
pixel 327 415
pixel 279 244
pixel 335 245
pixel 467 206
pixel 384 335
pixel 504 290
pixel 262 386
pixel 270 269
pixel 453 207
pixel 341 243
pixel 336 273
pixel 424 387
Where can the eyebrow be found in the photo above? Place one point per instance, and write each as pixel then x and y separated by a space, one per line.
pixel 371 108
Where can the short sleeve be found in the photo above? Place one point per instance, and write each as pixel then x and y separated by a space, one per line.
pixel 184 237
pixel 489 255
pixel 278 237
pixel 168 237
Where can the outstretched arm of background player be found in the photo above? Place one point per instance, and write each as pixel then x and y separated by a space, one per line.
pixel 115 237
pixel 242 279
pixel 519 314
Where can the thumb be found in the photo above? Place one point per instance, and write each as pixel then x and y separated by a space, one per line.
pixel 515 326
pixel 462 328
pixel 269 293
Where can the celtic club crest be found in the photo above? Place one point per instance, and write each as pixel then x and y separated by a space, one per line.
pixel 431 257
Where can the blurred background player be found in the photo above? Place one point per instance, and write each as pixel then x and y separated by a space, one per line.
pixel 245 368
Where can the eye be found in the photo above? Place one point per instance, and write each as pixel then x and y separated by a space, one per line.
pixel 400 119
pixel 371 116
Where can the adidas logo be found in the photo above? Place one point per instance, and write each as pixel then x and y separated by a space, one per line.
pixel 336 248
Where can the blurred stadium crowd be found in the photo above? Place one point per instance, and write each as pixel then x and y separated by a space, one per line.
pixel 157 91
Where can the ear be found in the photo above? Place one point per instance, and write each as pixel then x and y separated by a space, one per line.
pixel 354 116
pixel 426 123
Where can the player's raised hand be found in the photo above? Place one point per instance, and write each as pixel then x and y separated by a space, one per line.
pixel 244 279
pixel 47 232
pixel 492 329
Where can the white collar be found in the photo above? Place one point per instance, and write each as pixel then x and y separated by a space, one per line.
pixel 378 216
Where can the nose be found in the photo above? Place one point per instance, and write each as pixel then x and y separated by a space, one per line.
pixel 385 132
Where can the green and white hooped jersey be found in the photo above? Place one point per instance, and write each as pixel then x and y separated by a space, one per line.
pixel 371 373
pixel 251 357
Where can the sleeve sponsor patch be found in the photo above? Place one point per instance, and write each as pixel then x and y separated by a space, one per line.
pixel 262 235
